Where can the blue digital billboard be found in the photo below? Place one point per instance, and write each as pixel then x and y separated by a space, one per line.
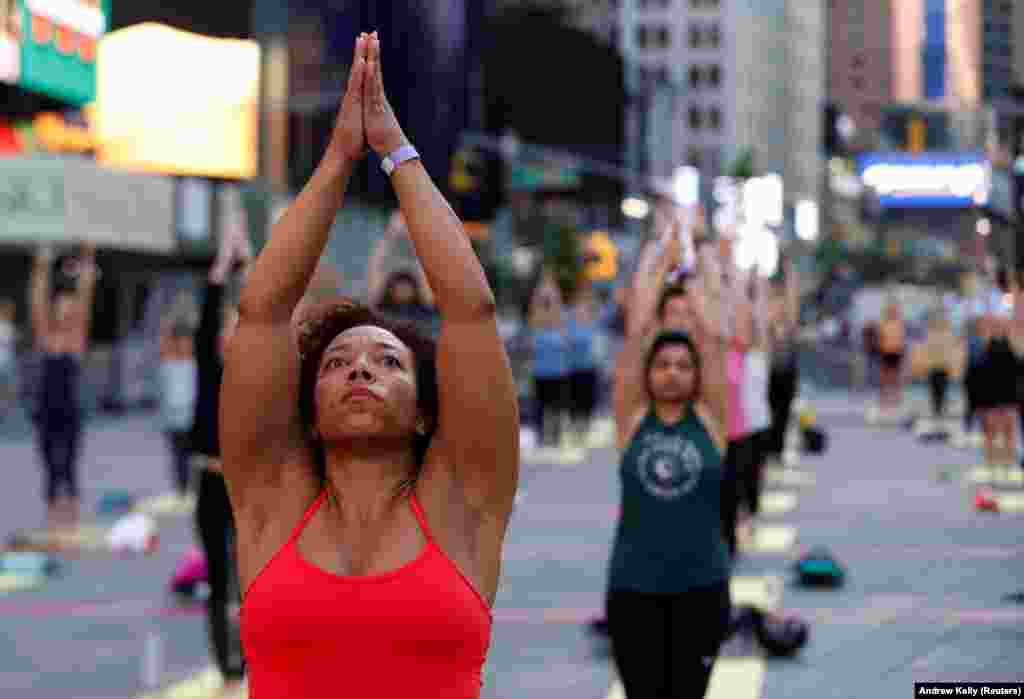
pixel 927 180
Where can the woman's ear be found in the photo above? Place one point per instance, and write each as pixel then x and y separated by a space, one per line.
pixel 421 426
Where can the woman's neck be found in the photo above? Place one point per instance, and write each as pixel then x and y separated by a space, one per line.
pixel 365 480
pixel 671 413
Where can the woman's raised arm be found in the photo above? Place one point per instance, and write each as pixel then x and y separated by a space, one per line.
pixel 85 293
pixel 630 385
pixel 260 424
pixel 39 296
pixel 477 438
pixel 711 338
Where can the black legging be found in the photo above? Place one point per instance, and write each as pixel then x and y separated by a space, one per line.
pixel 583 391
pixel 737 466
pixel 781 391
pixel 665 646
pixel 552 398
pixel 938 382
pixel 181 453
pixel 59 441
pixel 216 526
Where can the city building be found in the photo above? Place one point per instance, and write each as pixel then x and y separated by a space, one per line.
pixel 951 58
pixel 1017 43
pixel 861 73
pixel 714 80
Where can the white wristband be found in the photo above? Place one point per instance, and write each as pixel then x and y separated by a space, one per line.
pixel 392 160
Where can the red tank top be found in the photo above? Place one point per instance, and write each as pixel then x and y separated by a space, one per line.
pixel 421 630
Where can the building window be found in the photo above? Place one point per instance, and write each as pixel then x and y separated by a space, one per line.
pixel 695 37
pixel 715 36
pixel 696 120
pixel 695 77
pixel 641 36
pixel 715 76
pixel 715 118
pixel 663 37
pixel 693 156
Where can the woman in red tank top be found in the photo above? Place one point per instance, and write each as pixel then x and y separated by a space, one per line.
pixel 372 484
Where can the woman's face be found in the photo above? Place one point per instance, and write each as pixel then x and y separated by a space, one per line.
pixel 402 292
pixel 673 374
pixel 678 314
pixel 366 387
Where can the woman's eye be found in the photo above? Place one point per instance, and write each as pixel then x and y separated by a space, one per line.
pixel 392 362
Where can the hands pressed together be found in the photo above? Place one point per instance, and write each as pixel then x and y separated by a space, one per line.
pixel 365 120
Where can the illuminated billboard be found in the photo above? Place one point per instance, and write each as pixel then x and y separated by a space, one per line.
pixel 49 46
pixel 926 181
pixel 173 102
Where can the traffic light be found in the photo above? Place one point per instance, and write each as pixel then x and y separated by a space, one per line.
pixel 831 131
pixel 917 135
pixel 601 257
pixel 474 182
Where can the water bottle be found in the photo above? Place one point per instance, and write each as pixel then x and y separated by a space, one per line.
pixel 152 661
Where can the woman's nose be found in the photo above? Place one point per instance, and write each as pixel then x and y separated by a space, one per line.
pixel 361 369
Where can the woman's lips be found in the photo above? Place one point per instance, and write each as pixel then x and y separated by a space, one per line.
pixel 361 393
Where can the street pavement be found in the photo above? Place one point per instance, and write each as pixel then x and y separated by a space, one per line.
pixel 923 599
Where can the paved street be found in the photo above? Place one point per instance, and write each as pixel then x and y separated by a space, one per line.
pixel 923 600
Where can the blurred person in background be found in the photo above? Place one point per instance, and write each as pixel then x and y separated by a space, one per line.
pixel 783 324
pixel 550 352
pixel 755 396
pixel 668 593
pixel 998 388
pixel 740 456
pixel 371 475
pixel 585 325
pixel 8 357
pixel 975 338
pixel 404 293
pixel 939 359
pixel 61 322
pixel 214 520
pixel 178 387
pixel 892 344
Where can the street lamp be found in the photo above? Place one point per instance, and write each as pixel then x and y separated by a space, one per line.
pixel 634 207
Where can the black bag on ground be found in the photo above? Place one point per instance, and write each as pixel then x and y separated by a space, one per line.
pixel 782 634
pixel 815 440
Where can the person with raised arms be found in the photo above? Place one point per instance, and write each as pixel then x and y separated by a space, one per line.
pixel 372 479
pixel 61 323
pixel 668 599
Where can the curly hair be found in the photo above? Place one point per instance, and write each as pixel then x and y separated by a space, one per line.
pixel 324 321
pixel 671 291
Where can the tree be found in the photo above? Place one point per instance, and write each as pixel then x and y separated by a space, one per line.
pixel 563 255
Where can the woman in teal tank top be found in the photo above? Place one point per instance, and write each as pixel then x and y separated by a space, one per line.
pixel 668 599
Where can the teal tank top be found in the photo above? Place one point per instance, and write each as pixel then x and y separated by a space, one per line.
pixel 669 538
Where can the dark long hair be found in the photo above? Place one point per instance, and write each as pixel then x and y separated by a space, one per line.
pixel 667 338
pixel 323 322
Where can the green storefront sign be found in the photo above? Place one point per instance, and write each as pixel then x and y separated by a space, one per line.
pixel 534 176
pixel 32 201
pixel 60 41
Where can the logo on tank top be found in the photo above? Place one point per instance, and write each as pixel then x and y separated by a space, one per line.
pixel 668 466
